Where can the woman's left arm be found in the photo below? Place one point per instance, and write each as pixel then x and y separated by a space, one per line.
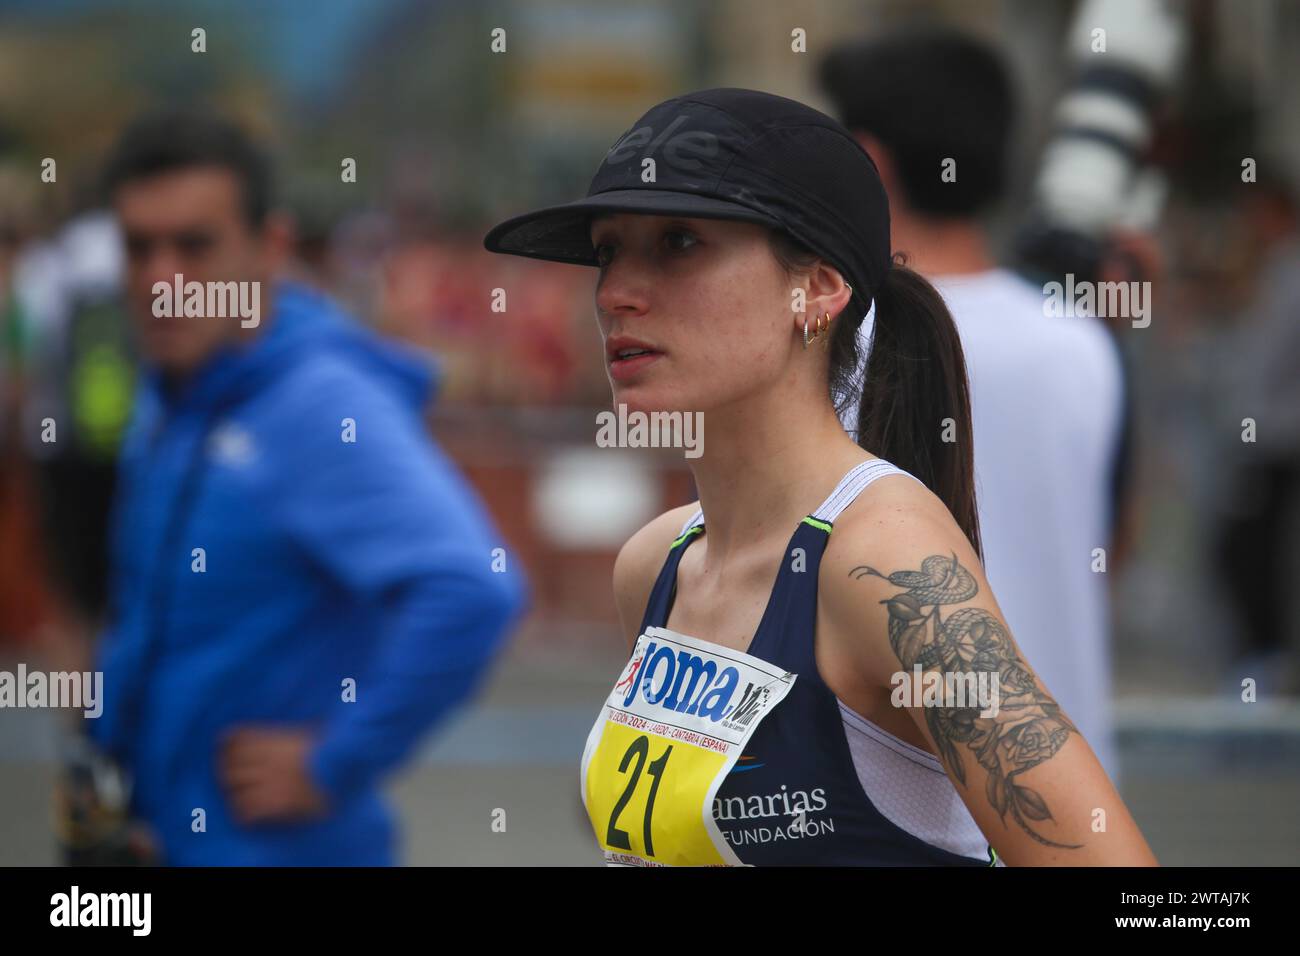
pixel 904 592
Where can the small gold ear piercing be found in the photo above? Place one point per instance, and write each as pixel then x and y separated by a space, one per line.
pixel 823 323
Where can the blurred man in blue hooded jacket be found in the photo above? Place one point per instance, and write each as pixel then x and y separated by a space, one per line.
pixel 302 583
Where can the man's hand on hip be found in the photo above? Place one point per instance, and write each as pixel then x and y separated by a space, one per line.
pixel 265 774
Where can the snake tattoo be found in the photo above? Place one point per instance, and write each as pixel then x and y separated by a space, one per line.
pixel 1029 727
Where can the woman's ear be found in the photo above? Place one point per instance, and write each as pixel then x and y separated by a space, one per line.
pixel 827 291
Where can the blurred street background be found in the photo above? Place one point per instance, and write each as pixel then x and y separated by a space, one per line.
pixel 448 138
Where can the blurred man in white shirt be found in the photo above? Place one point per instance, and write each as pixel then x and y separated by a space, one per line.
pixel 1047 393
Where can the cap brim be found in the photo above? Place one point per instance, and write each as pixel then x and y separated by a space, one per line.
pixel 562 233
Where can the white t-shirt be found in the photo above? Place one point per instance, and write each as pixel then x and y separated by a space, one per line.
pixel 1047 403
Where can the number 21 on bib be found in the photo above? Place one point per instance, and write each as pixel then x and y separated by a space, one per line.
pixel 670 731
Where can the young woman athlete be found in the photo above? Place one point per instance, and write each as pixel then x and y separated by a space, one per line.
pixel 819 671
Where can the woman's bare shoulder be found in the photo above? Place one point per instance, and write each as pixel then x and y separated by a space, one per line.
pixel 895 520
pixel 638 563
pixel 891 507
pixel 895 525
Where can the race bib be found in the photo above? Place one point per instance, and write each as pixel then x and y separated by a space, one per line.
pixel 671 730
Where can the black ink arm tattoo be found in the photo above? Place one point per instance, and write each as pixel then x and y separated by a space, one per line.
pixel 1028 728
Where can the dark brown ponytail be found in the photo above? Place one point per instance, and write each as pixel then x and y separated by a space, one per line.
pixel 915 378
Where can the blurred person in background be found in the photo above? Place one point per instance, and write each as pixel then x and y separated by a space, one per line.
pixel 1255 545
pixel 25 601
pixel 302 584
pixel 1047 394
pixel 79 373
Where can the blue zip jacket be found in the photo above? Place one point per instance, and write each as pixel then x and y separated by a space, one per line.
pixel 262 561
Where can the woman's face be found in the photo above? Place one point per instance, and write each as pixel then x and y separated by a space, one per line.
pixel 706 301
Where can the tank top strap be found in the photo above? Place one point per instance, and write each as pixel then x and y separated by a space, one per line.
pixel 693 520
pixel 852 485
pixel 665 586
pixel 786 636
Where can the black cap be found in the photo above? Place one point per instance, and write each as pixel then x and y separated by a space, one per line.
pixel 730 154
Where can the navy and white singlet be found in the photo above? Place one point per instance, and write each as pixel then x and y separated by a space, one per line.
pixel 818 784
